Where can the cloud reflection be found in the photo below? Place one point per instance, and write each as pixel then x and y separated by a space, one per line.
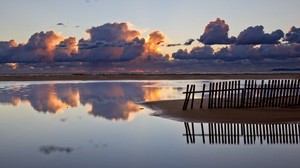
pixel 109 100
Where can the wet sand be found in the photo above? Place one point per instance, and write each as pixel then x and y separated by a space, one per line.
pixel 171 109
pixel 49 77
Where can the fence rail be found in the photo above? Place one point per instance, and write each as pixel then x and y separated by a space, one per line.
pixel 232 94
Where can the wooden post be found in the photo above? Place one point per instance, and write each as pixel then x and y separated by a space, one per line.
pixel 209 95
pixel 219 95
pixel 281 94
pixel 274 94
pixel 222 96
pixel 239 91
pixel 261 94
pixel 193 95
pixel 298 93
pixel 254 95
pixel 294 93
pixel 290 92
pixel 287 94
pixel 213 95
pixel 186 100
pixel 271 94
pixel 202 96
pixel 243 95
pixel 216 95
pixel 225 96
pixel 229 95
pixel 277 93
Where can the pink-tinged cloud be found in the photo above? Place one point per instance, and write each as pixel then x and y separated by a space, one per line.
pixel 216 32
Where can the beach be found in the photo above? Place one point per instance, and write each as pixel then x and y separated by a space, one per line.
pixel 62 77
pixel 172 109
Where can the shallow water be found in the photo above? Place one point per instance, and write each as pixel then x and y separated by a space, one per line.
pixel 101 124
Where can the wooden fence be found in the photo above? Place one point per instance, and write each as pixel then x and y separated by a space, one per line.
pixel 232 94
pixel 237 133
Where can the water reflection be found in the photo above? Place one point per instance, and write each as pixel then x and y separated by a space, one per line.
pixel 110 100
pixel 237 133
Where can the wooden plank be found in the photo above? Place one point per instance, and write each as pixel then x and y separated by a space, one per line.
pixel 290 92
pixel 250 94
pixel 186 98
pixel 193 95
pixel 239 92
pixel 254 95
pixel 216 95
pixel 222 96
pixel 219 95
pixel 202 96
pixel 294 93
pixel 298 93
pixel 274 93
pixel 277 93
pixel 261 94
pixel 287 93
pixel 271 94
pixel 225 95
pixel 281 94
pixel 209 95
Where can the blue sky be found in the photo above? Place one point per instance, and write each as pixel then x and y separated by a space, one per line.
pixel 177 19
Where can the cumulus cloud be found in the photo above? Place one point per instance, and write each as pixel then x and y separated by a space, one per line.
pixel 216 32
pixel 111 32
pixel 111 42
pixel 205 52
pixel 40 47
pixel 293 36
pixel 256 35
pixel 152 47
pixel 116 45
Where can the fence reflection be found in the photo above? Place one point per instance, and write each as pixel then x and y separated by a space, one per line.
pixel 237 133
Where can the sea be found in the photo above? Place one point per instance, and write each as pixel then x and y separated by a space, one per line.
pixel 94 124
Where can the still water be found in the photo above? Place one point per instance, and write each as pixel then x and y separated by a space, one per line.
pixel 101 124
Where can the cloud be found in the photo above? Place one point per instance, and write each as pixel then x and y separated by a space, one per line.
pixel 189 42
pixel 256 35
pixel 216 32
pixel 173 45
pixel 293 36
pixel 111 42
pixel 40 47
pixel 111 32
pixel 205 52
pixel 60 24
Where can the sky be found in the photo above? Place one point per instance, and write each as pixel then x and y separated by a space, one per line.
pixel 175 22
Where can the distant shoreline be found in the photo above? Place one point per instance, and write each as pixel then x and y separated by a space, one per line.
pixel 62 77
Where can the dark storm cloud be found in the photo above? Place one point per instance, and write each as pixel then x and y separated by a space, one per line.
pixel 293 36
pixel 256 35
pixel 216 32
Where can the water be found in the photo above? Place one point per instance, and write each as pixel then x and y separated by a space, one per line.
pixel 101 124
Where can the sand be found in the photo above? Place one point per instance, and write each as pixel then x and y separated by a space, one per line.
pixel 49 77
pixel 171 109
